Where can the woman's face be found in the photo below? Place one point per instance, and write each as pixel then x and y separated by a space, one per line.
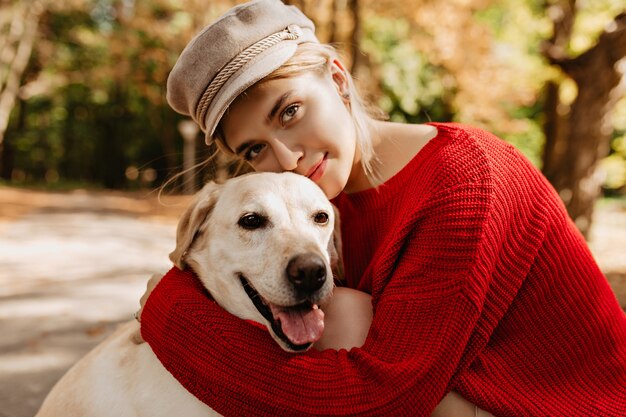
pixel 300 124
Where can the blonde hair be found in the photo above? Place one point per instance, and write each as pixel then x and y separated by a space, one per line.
pixel 318 58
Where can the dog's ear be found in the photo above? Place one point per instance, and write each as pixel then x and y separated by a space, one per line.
pixel 334 248
pixel 191 221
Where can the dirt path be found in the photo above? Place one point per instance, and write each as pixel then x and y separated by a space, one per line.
pixel 73 265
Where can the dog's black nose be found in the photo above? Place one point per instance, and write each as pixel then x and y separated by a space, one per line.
pixel 307 272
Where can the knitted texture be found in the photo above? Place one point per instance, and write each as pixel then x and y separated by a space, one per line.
pixel 480 283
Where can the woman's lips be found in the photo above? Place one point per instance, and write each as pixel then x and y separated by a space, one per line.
pixel 317 171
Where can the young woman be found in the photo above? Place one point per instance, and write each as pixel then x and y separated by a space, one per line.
pixel 480 284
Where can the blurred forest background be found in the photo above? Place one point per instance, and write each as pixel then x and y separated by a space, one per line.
pixel 82 83
pixel 86 135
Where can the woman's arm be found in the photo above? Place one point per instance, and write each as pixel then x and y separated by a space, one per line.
pixel 347 320
pixel 237 369
pixel 348 316
pixel 422 323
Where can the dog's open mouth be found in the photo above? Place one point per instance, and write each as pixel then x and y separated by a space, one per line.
pixel 298 326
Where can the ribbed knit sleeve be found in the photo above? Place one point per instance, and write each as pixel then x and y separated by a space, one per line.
pixel 237 369
pixel 422 322
pixel 462 252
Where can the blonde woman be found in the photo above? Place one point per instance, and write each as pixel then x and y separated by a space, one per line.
pixel 481 287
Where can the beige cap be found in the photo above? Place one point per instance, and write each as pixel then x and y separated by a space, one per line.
pixel 246 44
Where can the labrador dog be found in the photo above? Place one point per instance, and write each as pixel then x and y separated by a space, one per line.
pixel 262 245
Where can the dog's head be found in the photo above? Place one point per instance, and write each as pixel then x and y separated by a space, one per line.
pixel 262 244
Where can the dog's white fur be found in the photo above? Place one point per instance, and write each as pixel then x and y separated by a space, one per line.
pixel 121 378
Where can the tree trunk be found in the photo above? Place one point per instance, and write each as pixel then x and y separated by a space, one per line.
pixel 7 149
pixel 578 138
pixel 15 53
pixel 332 23
pixel 562 14
pixel 355 36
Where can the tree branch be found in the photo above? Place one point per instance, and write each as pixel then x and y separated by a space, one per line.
pixel 16 68
pixel 610 47
pixel 563 15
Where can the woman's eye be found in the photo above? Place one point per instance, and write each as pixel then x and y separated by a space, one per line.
pixel 289 113
pixel 253 151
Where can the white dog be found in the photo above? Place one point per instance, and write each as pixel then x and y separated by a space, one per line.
pixel 262 245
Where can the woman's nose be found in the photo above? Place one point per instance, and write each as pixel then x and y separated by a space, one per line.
pixel 286 155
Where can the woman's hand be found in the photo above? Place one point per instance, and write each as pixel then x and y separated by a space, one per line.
pixel 152 282
pixel 347 319
pixel 348 316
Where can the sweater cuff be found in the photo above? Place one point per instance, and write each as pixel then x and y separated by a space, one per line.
pixel 175 286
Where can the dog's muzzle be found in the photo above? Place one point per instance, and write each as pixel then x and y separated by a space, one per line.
pixel 300 325
pixel 307 273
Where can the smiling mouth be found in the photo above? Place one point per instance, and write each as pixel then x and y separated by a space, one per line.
pixel 317 171
pixel 298 326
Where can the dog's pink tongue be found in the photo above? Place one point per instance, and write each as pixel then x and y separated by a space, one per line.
pixel 300 326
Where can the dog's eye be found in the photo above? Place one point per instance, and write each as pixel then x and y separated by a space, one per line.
pixel 321 217
pixel 252 221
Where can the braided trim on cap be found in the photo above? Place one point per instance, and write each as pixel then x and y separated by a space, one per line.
pixel 292 32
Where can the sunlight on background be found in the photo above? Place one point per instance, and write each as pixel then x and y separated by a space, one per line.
pixel 86 137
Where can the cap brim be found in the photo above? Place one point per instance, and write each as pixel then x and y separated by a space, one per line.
pixel 255 70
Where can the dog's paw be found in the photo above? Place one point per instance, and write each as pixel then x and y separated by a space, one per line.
pixel 152 282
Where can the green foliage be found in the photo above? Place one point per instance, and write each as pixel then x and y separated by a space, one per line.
pixel 518 29
pixel 103 110
pixel 614 166
pixel 414 90
pixel 592 18
pixel 94 109
pixel 529 139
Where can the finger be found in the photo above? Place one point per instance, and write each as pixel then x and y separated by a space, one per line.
pixel 152 282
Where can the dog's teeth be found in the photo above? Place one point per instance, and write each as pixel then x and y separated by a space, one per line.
pixel 315 307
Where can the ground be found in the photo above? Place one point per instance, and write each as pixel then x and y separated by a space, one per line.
pixel 74 264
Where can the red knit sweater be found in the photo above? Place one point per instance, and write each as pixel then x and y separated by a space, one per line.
pixel 480 283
